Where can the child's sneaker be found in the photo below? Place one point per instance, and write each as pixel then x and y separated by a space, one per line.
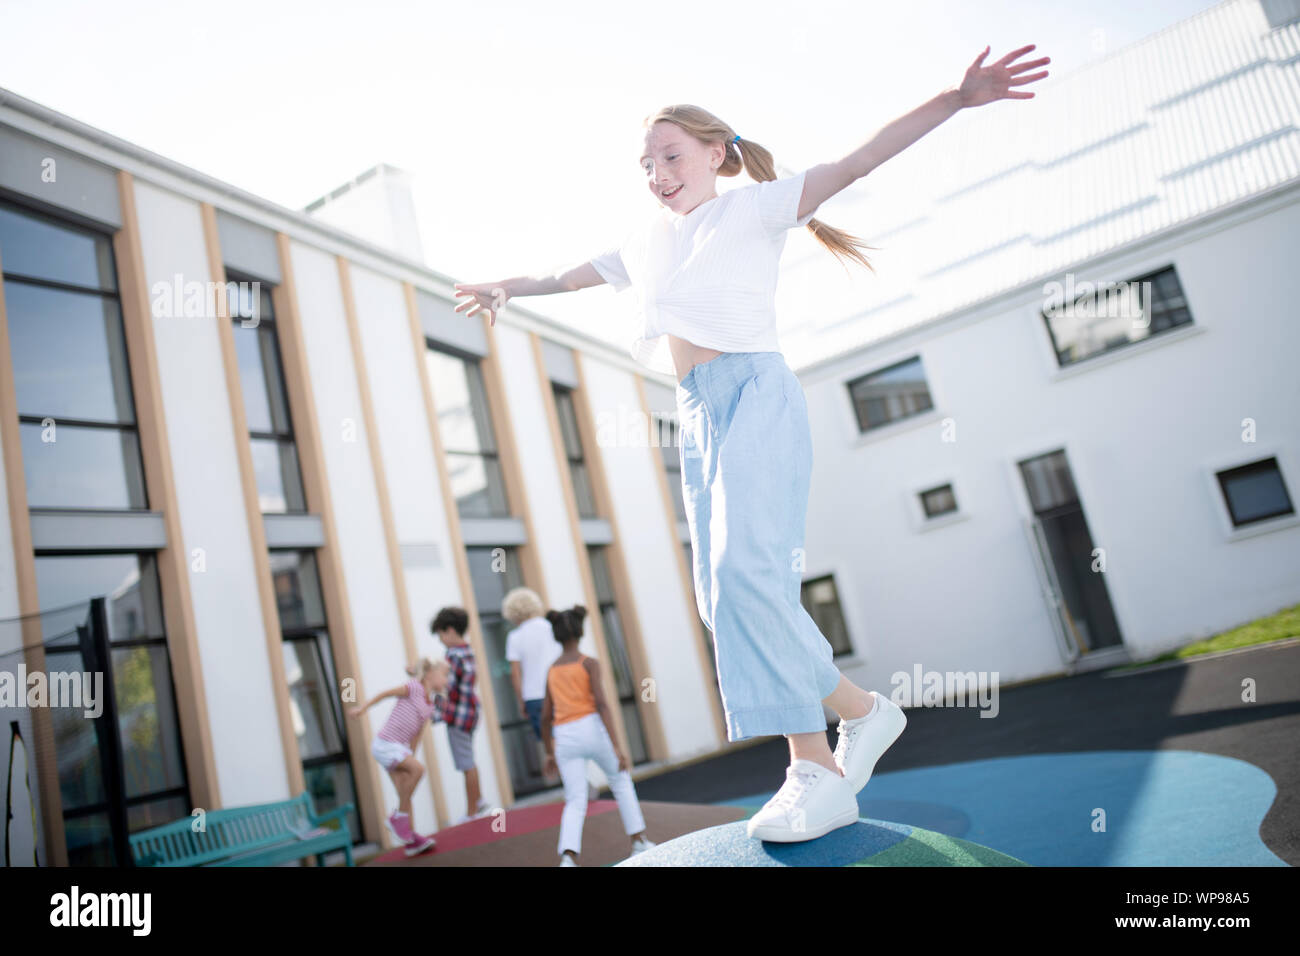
pixel 419 844
pixel 812 802
pixel 864 739
pixel 400 824
pixel 566 860
pixel 484 808
pixel 641 845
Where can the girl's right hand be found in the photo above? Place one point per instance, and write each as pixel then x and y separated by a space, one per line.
pixel 622 758
pixel 488 297
pixel 356 711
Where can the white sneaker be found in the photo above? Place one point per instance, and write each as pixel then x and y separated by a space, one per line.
pixel 640 846
pixel 812 802
pixel 567 860
pixel 865 739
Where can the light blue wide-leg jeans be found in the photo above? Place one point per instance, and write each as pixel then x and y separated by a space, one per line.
pixel 746 454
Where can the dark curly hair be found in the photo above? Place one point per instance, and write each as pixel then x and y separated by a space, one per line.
pixel 453 617
pixel 567 625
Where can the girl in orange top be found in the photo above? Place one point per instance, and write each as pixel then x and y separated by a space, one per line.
pixel 576 727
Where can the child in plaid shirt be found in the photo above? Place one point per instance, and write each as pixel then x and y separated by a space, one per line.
pixel 460 713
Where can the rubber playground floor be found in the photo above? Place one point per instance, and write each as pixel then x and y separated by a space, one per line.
pixel 1165 766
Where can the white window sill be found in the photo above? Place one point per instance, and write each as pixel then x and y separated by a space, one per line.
pixel 1126 351
pixel 882 432
pixel 941 521
pixel 1280 523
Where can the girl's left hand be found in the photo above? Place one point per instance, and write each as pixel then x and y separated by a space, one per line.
pixel 984 84
pixel 356 711
pixel 550 770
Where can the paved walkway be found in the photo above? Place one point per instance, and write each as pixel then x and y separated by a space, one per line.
pixel 1184 772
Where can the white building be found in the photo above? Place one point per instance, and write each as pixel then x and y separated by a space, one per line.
pixel 997 491
pixel 277 499
pixel 279 496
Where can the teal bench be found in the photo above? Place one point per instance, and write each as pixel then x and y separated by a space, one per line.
pixel 264 835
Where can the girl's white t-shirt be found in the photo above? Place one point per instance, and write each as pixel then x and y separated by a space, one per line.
pixel 709 276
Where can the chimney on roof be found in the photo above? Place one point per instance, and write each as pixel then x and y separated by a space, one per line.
pixel 375 206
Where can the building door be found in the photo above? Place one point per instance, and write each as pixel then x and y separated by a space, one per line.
pixel 1064 547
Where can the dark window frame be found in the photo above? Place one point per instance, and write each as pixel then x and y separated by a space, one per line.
pixel 865 426
pixel 280 436
pixel 311 634
pixel 1157 324
pixel 584 491
pixel 670 452
pixel 620 658
pixel 105 806
pixel 1259 466
pixel 59 220
pixel 925 504
pixel 805 588
pixel 490 453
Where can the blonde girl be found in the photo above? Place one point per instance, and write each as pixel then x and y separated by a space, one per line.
pixel 704 269
pixel 394 745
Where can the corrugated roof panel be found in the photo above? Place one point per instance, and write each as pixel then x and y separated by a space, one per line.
pixel 1196 117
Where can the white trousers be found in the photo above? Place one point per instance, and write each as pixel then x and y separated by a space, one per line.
pixel 576 742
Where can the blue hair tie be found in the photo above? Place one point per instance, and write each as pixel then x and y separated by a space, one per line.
pixel 737 139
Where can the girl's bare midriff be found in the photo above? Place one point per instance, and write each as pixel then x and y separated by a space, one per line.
pixel 686 355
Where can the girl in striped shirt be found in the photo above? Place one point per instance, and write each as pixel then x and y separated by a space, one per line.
pixel 394 746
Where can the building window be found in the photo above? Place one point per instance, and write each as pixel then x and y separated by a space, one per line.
pixel 938 501
pixel 572 439
pixel 153 788
pixel 310 671
pixel 1128 312
pixel 493 572
pixel 76 411
pixel 1255 492
pixel 266 403
pixel 821 600
pixel 469 442
pixel 666 432
pixel 890 394
pixel 626 687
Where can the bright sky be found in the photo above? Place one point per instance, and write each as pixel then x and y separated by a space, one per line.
pixel 519 120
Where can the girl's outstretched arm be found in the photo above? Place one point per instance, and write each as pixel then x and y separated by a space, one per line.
pixel 489 297
pixel 980 85
pixel 395 692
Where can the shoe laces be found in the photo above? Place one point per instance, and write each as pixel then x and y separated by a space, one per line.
pixel 848 733
pixel 798 782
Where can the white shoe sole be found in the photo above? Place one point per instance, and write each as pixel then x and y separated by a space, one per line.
pixel 772 833
pixel 419 848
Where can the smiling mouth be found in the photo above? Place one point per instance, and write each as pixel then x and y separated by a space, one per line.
pixel 671 193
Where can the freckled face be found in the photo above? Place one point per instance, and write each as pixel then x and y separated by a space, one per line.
pixel 680 171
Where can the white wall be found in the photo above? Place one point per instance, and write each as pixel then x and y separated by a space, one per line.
pixel 416 494
pixel 649 541
pixel 362 548
pixel 529 396
pixel 228 616
pixel 1143 434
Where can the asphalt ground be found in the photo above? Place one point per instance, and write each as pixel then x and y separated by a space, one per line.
pixel 1196 705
